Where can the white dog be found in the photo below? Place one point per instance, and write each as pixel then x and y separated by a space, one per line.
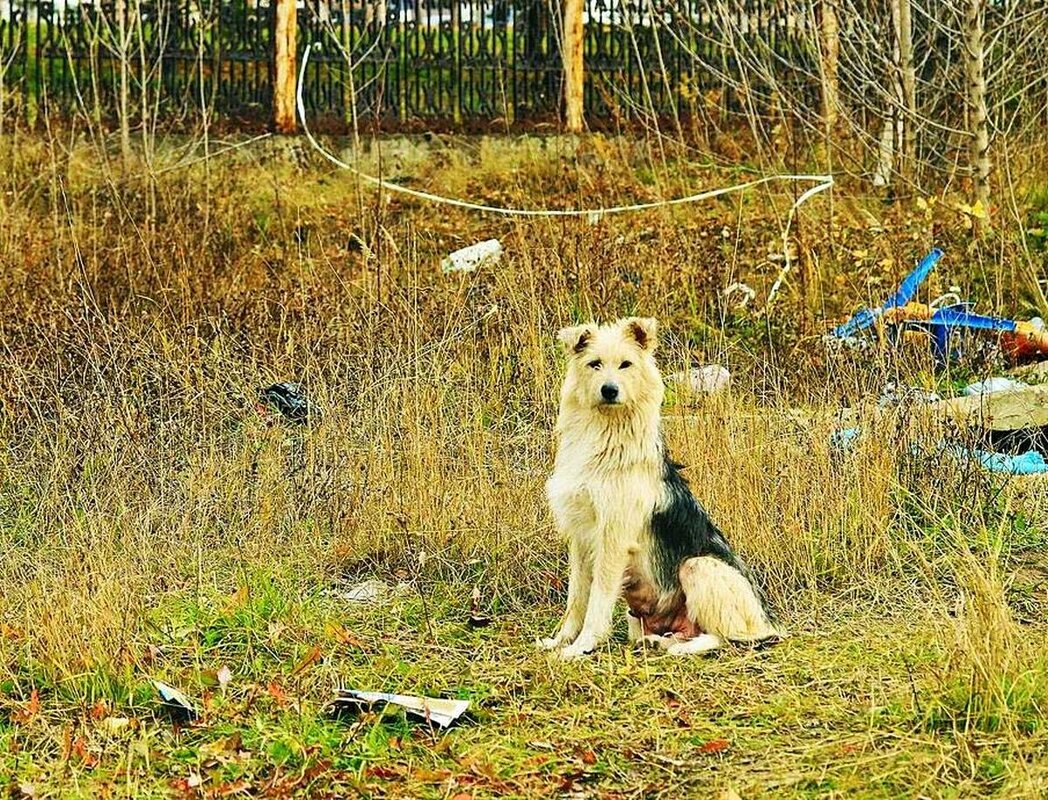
pixel 632 525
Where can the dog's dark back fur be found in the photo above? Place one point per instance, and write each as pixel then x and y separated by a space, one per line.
pixel 683 529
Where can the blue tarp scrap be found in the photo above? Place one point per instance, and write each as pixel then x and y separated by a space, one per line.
pixel 1029 463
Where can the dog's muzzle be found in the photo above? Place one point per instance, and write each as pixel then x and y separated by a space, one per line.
pixel 609 392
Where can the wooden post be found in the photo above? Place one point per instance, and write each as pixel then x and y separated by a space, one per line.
pixel 571 51
pixel 284 72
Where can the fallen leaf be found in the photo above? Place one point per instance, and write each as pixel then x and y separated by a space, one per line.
pixel 237 599
pixel 382 772
pixel 235 787
pixel 81 751
pixel 99 710
pixel 222 749
pixel 343 636
pixel 28 711
pixel 431 775
pixel 116 724
pixel 714 746
pixel 8 632
pixel 311 658
pixel 589 758
pixel 275 629
pixel 276 691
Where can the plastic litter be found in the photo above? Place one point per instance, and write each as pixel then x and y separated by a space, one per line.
pixel 1028 463
pixel 895 395
pixel 469 259
pixel 175 702
pixel 900 314
pixel 433 710
pixel 844 438
pixel 289 399
pixel 746 293
pixel 702 380
pixel 367 592
pixel 992 385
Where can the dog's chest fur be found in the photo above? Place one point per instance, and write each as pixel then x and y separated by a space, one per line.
pixel 605 487
pixel 607 474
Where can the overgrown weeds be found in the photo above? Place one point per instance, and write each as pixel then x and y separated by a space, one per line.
pixel 156 524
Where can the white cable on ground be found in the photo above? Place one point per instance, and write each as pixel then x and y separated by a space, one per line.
pixel 823 182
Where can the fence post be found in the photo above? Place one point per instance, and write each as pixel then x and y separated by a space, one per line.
pixel 284 37
pixel 571 52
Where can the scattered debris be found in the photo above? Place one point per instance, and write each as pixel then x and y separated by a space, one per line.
pixel 224 676
pixel 748 293
pixel 115 725
pixel 900 315
pixel 476 618
pixel 1028 463
pixel 177 704
pixel 1019 409
pixel 992 385
pixel 368 592
pixel 844 438
pixel 468 259
pixel 895 395
pixel 710 379
pixel 290 400
pixel 431 709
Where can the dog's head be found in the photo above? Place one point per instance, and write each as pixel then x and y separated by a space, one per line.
pixel 612 368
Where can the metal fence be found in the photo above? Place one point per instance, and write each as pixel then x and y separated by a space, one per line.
pixel 495 63
pixel 402 62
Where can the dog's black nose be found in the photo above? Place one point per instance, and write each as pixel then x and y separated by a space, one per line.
pixel 609 391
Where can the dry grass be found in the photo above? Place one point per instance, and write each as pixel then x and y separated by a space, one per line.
pixel 154 525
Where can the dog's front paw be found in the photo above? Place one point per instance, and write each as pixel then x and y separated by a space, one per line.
pixel 575 651
pixel 551 643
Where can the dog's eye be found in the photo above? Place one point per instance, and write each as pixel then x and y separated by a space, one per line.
pixel 595 364
pixel 625 365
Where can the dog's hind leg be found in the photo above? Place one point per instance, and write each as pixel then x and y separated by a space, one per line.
pixel 580 578
pixel 723 602
pixel 703 643
pixel 634 629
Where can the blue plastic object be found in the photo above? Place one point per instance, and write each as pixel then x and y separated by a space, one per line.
pixel 1029 463
pixel 941 322
pixel 865 317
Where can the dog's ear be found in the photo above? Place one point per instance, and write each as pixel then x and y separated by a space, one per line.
pixel 577 338
pixel 643 330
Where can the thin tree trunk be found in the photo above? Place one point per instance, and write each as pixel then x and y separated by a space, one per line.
pixel 908 83
pixel 125 81
pixel 978 125
pixel 829 30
